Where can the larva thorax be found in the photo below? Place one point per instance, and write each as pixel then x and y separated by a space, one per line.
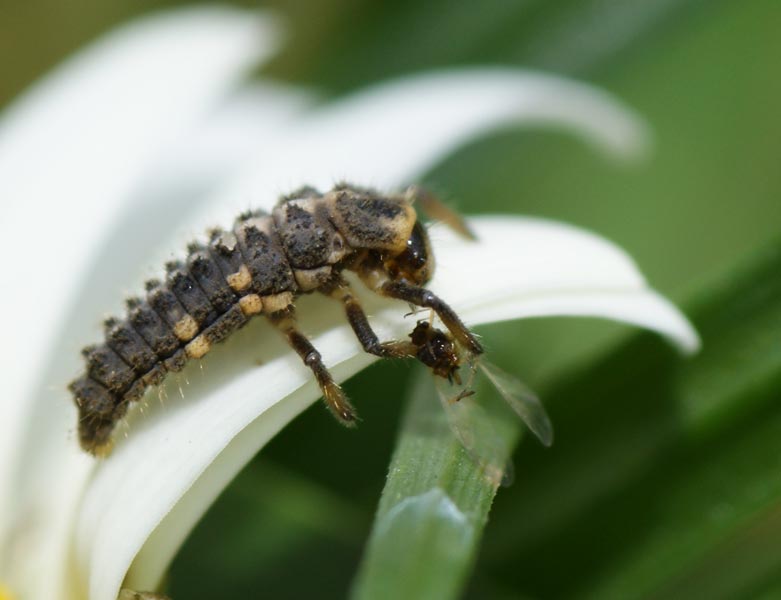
pixel 259 266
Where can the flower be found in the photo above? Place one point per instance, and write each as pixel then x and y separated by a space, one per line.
pixel 147 137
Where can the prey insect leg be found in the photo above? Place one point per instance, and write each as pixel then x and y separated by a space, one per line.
pixel 420 296
pixel 335 398
pixel 363 330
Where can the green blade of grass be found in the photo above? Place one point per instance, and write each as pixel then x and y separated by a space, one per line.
pixel 434 505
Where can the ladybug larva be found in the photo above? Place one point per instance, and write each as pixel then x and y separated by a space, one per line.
pixel 261 266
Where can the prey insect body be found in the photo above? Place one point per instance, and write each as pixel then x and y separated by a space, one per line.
pixel 451 361
pixel 446 357
pixel 260 266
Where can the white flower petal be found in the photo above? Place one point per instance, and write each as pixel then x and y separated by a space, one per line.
pixel 555 270
pixel 397 131
pixel 392 133
pixel 76 145
pixel 160 480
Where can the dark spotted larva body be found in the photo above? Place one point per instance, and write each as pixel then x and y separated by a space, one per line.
pixel 260 266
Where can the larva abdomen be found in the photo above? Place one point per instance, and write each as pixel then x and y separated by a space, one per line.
pixel 201 302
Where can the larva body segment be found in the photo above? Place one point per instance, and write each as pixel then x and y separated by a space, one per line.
pixel 258 267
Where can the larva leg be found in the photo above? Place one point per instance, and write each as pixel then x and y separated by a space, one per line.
pixel 420 296
pixel 335 399
pixel 363 331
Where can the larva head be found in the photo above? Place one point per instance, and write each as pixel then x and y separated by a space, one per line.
pixel 416 262
pixel 388 227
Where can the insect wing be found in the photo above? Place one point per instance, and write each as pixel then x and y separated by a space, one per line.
pixel 472 426
pixel 522 400
pixel 439 211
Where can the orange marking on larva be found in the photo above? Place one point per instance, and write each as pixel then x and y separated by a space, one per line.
pixel 251 304
pixel 277 302
pixel 186 328
pixel 199 347
pixel 240 280
pixel 103 450
pixel 311 279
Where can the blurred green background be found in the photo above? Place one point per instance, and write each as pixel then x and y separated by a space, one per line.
pixel 664 480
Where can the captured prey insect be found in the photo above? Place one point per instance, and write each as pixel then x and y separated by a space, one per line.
pixel 260 266
pixel 447 358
